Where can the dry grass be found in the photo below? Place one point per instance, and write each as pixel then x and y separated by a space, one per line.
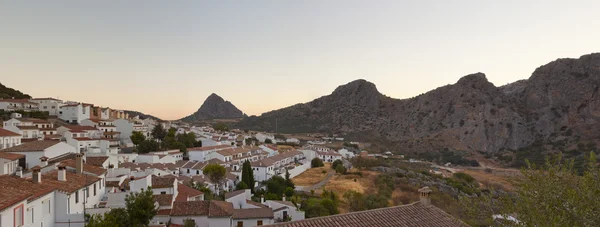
pixel 497 179
pixel 343 183
pixel 312 176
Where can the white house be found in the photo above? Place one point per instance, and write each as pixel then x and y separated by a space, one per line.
pixel 262 137
pixel 17 104
pixel 75 113
pixel 346 153
pixel 329 156
pixel 9 139
pixel 25 202
pixel 266 168
pixel 284 209
pixel 50 105
pixel 79 131
pixel 201 153
pixel 33 151
pixel 26 127
pixel 9 162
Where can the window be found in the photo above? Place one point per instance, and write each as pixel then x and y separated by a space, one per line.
pixel 197 171
pixel 94 189
pixel 259 223
pixel 162 193
pixel 46 206
pixel 30 214
pixel 188 171
pixel 77 197
pixel 18 215
pixel 87 192
pixel 240 224
pixel 285 215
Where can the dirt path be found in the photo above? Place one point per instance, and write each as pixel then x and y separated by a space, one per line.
pixel 317 185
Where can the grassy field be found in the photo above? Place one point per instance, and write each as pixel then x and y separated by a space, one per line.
pixel 343 183
pixel 496 179
pixel 312 176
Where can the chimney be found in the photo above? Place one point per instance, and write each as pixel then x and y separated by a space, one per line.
pixel 283 197
pixel 424 196
pixel 36 176
pixel 262 199
pixel 19 172
pixel 62 173
pixel 79 163
pixel 44 161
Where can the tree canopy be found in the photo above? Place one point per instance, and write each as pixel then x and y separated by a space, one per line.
pixel 248 175
pixel 215 172
pixel 552 194
pixel 137 138
pixel 158 132
pixel 316 162
pixel 139 210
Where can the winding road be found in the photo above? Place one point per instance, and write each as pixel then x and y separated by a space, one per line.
pixel 317 185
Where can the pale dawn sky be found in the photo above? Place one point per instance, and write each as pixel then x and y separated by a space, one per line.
pixel 165 57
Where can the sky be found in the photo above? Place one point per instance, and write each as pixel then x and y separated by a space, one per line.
pixel 165 57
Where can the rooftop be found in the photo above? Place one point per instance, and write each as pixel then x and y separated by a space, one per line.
pixel 414 214
pixel 253 213
pixel 162 182
pixel 184 192
pixel 11 156
pixel 96 160
pixel 38 145
pixel 4 132
pixel 234 193
pixel 210 208
pixel 14 189
pixel 163 199
pixel 98 171
pixel 74 181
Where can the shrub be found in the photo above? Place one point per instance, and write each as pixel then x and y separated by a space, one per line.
pixel 488 170
pixel 316 162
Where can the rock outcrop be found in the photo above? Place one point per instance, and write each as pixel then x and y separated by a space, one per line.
pixel 470 115
pixel 215 107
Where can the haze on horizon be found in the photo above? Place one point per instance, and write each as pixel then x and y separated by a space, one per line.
pixel 164 57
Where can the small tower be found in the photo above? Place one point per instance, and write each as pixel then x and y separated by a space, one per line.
pixel 424 196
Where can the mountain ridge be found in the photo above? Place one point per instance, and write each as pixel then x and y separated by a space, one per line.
pixel 215 107
pixel 470 115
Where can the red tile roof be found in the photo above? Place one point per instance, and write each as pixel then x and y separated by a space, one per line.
pixel 80 128
pixel 211 208
pixel 253 213
pixel 162 182
pixel 184 192
pixel 256 203
pixel 98 171
pixel 96 161
pixel 11 156
pixel 234 193
pixel 163 199
pixel 209 148
pixel 164 212
pixel 14 189
pixel 83 138
pixel 4 132
pixel 74 181
pixel 414 214
pixel 38 145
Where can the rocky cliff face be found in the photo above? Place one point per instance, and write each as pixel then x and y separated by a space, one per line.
pixel 471 115
pixel 215 107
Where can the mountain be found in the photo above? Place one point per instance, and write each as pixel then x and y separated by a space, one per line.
pixel 215 107
pixel 558 104
pixel 9 93
pixel 133 113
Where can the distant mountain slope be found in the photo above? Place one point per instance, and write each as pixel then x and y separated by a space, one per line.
pixel 133 113
pixel 9 93
pixel 215 107
pixel 470 115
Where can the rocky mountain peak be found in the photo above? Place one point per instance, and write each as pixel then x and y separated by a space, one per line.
pixel 358 87
pixel 215 107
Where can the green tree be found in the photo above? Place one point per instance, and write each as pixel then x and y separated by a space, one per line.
pixel 241 186
pixel 189 223
pixel 137 138
pixel 216 174
pixel 314 208
pixel 276 185
pixel 268 141
pixel 208 194
pixel 148 146
pixel 316 162
pixel 221 127
pixel 159 132
pixel 248 175
pixel 279 136
pixel 552 194
pixel 340 169
pixel 114 218
pixel 355 199
pixel 140 207
pixel 288 181
pixel 337 163
pixel 331 206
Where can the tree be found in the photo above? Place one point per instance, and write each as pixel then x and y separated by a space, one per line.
pixel 159 132
pixel 139 210
pixel 279 136
pixel 276 185
pixel 137 138
pixel 288 182
pixel 335 164
pixel 241 186
pixel 248 141
pixel 248 175
pixel 221 127
pixel 189 223
pixel 552 194
pixel 140 207
pixel 340 169
pixel 148 146
pixel 316 162
pixel 216 174
pixel 208 194
pixel 268 141
pixel 355 199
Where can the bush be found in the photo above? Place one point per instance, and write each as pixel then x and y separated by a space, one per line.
pixel 488 170
pixel 336 163
pixel 316 162
pixel 323 171
pixel 340 169
pixel 466 177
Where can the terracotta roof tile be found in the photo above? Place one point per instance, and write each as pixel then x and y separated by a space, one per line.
pixel 74 181
pixel 38 145
pixel 255 203
pixel 190 208
pixel 11 156
pixel 406 216
pixel 162 182
pixel 80 128
pixel 96 160
pixel 98 171
pixel 184 192
pixel 164 212
pixel 234 193
pixel 14 189
pixel 163 199
pixel 4 132
pixel 253 213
